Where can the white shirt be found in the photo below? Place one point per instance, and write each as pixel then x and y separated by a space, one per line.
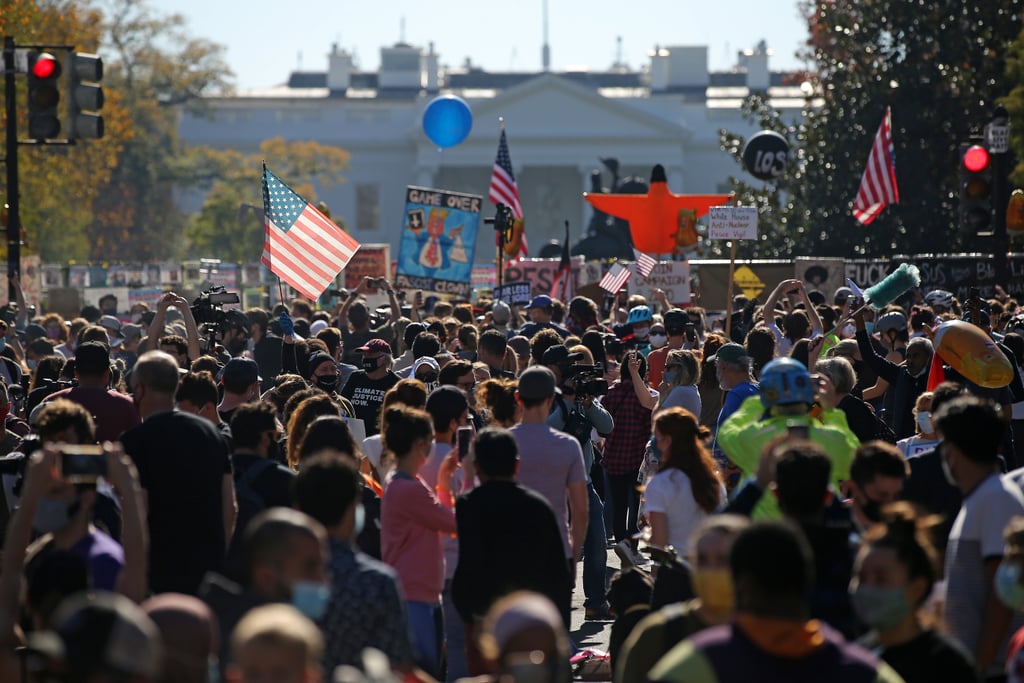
pixel 670 493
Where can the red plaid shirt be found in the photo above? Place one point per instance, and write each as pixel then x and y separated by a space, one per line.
pixel 624 446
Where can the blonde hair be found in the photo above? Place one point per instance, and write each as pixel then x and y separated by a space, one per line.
pixel 280 625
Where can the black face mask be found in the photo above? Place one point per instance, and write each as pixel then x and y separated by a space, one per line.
pixel 236 346
pixel 371 364
pixel 327 382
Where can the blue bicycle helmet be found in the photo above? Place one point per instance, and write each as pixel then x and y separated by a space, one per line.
pixel 785 381
pixel 639 314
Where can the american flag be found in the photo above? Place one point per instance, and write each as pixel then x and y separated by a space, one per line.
pixel 301 245
pixel 644 263
pixel 616 278
pixel 878 184
pixel 563 287
pixel 503 184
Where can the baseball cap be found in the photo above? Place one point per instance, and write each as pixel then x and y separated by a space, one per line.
pixel 376 346
pixel 241 371
pixel 131 331
pixel 542 301
pixel 92 358
pixel 316 326
pixel 842 294
pixel 558 355
pixel 425 360
pixel 536 383
pixel 316 360
pixel 675 319
pixel 730 353
pixel 100 633
pixel 34 331
pixel 112 324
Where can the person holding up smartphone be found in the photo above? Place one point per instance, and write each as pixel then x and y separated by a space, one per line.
pixel 796 324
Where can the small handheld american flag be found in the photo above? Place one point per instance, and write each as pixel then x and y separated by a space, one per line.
pixel 616 278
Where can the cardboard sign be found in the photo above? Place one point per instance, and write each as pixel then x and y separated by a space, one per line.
pixel 514 293
pixel 372 260
pixel 540 272
pixel 438 241
pixel 732 223
pixel 671 276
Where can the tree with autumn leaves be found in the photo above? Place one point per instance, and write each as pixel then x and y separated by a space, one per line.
pixel 116 199
pixel 941 66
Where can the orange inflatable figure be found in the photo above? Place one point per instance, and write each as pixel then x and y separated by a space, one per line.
pixel 654 218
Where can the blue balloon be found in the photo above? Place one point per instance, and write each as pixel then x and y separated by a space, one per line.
pixel 447 120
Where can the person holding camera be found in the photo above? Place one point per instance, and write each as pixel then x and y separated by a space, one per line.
pixel 156 328
pixel 577 412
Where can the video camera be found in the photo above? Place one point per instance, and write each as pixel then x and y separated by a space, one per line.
pixel 589 379
pixel 208 310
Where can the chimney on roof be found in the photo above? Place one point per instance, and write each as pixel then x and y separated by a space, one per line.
pixel 756 62
pixel 339 70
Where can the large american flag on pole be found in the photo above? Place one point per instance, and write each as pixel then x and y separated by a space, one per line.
pixel 503 184
pixel 301 245
pixel 878 184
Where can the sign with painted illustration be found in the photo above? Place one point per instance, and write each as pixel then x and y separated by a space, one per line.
pixel 438 240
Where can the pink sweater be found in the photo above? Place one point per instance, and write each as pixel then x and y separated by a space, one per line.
pixel 412 522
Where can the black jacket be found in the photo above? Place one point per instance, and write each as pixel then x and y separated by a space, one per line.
pixel 509 540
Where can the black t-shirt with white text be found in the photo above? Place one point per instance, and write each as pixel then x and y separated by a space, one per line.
pixel 367 395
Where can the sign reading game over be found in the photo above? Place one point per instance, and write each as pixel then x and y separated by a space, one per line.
pixel 438 240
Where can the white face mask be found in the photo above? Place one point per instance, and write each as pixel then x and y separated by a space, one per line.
pixel 641 332
pixel 924 422
pixel 849 331
pixel 658 340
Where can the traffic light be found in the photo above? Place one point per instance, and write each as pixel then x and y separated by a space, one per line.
pixel 975 189
pixel 44 72
pixel 85 96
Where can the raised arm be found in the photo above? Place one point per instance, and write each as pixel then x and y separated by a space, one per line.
pixel 885 369
pixel 22 319
pixel 812 314
pixel 647 400
pixel 352 297
pixel 134 534
pixel 191 329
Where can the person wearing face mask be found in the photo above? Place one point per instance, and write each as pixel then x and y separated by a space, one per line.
pixel 414 519
pixel 241 381
pixel 286 553
pixel 906 381
pixel 639 321
pixel 1009 587
pixel 355 313
pixel 674 324
pixel 658 337
pixel 659 632
pixel 877 474
pixel 366 608
pixel 925 439
pixel 366 388
pixel 972 431
pixel 772 636
pixel 894 573
pixel 426 370
pixel 325 376
pixel 733 370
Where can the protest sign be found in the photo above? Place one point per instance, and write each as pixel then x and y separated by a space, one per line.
pixel 540 272
pixel 514 293
pixel 435 253
pixel 732 223
pixel 671 276
pixel 372 260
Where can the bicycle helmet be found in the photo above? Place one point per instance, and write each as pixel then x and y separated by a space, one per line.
pixel 891 321
pixel 639 314
pixel 939 297
pixel 785 381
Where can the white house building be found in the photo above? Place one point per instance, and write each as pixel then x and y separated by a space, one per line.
pixel 558 126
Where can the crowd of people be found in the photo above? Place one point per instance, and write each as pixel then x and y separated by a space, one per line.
pixel 411 491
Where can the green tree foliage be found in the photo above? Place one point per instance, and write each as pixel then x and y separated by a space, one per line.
pixel 58 185
pixel 229 226
pixel 940 66
pixel 1015 105
pixel 155 63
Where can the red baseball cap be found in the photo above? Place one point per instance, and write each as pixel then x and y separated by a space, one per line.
pixel 378 345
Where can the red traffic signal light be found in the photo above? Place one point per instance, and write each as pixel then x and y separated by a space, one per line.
pixel 976 159
pixel 46 66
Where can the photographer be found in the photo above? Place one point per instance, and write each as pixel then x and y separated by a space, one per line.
pixel 156 328
pixel 357 314
pixel 577 412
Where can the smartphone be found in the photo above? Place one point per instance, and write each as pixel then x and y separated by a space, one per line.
pixel 465 438
pixel 82 464
pixel 691 333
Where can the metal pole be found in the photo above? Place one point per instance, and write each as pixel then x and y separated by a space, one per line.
pixel 998 139
pixel 13 200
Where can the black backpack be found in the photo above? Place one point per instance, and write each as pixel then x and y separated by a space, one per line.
pixel 250 502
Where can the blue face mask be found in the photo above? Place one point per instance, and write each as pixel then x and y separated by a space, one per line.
pixel 31 364
pixel 1008 587
pixel 880 607
pixel 310 598
pixel 869 326
pixel 670 376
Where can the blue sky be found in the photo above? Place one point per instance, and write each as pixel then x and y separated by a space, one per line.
pixel 266 39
